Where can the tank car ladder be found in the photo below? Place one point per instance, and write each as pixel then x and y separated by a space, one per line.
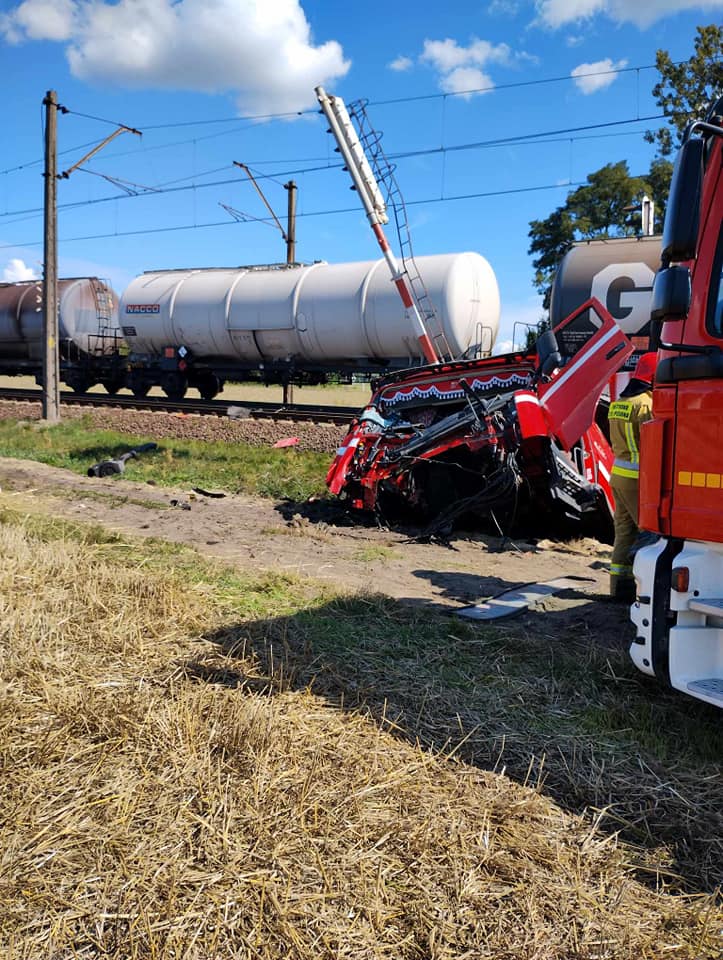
pixel 103 299
pixel 383 170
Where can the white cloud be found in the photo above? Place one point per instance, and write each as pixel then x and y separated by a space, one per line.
pixel 466 81
pixel 461 69
pixel 502 346
pixel 591 77
pixel 17 270
pixel 503 8
pixel 261 51
pixel 446 55
pixel 574 40
pixel 557 13
pixel 39 20
pixel 401 64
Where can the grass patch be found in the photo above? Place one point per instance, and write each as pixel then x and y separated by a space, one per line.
pixel 233 467
pixel 103 496
pixel 198 762
pixel 50 529
pixel 373 553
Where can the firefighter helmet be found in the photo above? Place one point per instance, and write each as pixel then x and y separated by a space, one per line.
pixel 645 368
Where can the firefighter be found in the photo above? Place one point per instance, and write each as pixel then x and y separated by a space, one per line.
pixel 633 407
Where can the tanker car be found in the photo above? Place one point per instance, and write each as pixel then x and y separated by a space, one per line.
pixel 89 340
pixel 619 273
pixel 296 323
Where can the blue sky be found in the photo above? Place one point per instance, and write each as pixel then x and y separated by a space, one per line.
pixel 213 81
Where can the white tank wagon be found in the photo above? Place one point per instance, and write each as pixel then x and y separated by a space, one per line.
pixel 87 322
pixel 317 316
pixel 618 272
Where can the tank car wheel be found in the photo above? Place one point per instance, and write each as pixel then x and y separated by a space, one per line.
pixel 175 386
pixel 79 383
pixel 209 387
pixel 112 386
pixel 138 386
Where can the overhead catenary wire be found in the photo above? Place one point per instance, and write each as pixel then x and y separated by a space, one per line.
pixel 309 213
pixel 403 155
pixel 445 95
pixel 37 163
pixel 255 164
pixel 512 85
pixel 129 186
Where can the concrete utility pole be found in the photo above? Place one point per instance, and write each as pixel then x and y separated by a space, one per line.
pixel 291 223
pixel 51 370
pixel 51 358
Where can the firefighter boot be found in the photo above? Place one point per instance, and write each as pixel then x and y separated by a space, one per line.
pixel 622 588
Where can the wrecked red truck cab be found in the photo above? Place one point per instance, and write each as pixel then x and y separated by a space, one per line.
pixel 511 440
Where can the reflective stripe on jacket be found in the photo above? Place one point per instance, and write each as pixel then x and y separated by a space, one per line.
pixel 624 468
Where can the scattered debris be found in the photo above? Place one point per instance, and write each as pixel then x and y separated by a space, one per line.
pixel 514 601
pixel 213 494
pixel 238 413
pixel 107 468
pixel 286 442
pixel 181 504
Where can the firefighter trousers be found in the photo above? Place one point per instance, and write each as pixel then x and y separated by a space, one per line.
pixel 625 491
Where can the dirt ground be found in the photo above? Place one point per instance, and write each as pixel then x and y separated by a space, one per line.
pixel 314 540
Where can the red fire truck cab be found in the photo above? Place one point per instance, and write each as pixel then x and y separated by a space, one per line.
pixel 678 613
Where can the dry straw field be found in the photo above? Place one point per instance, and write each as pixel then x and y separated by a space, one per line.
pixel 185 776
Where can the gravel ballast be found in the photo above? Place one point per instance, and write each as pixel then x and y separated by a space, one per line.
pixel 317 437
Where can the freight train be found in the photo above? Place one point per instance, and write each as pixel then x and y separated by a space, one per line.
pixel 278 323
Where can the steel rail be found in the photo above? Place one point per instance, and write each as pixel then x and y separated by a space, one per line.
pixel 219 408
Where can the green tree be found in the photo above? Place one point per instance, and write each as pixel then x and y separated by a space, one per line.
pixel 658 177
pixel 685 90
pixel 551 239
pixel 600 208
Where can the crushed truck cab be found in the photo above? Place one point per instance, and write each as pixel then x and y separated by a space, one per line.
pixel 512 438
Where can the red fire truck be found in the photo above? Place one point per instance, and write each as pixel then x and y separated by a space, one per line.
pixel 678 613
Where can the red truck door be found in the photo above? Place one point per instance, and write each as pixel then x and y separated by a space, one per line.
pixel 593 347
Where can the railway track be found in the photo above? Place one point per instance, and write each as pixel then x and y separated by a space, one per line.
pixel 218 408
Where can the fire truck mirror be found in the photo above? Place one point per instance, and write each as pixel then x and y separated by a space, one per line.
pixel 681 217
pixel 671 297
pixel 548 353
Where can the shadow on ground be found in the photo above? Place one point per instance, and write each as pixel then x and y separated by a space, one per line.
pixel 550 698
